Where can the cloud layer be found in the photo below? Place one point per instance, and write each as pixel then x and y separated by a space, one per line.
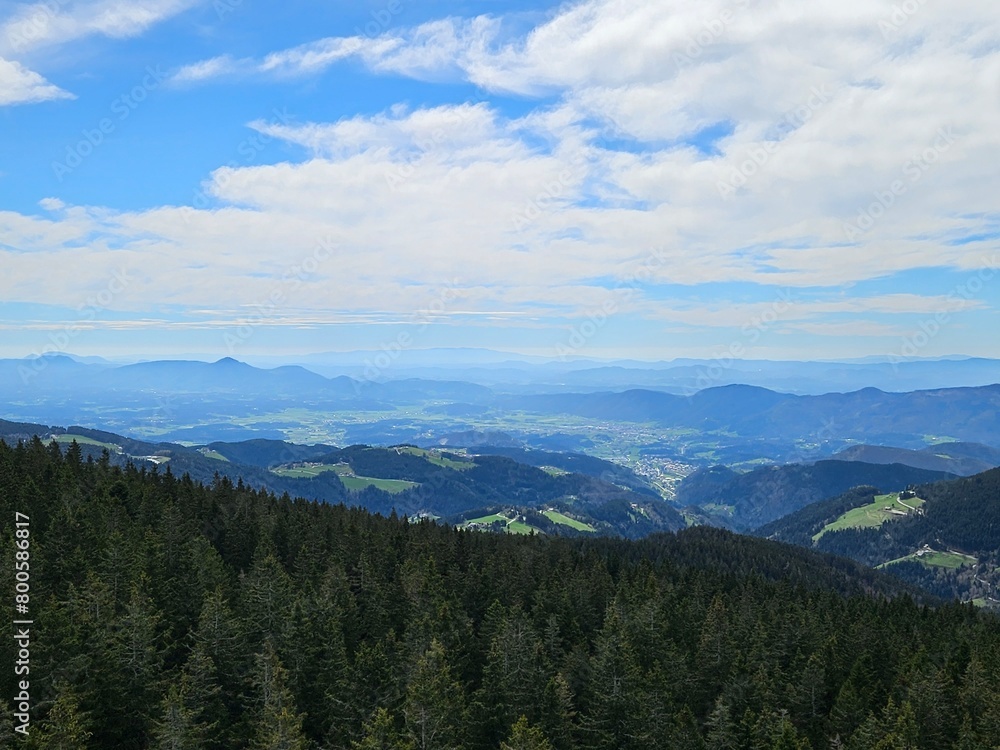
pixel 670 146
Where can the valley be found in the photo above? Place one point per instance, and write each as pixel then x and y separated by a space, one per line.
pixel 560 463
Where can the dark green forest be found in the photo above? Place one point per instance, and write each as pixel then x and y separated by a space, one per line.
pixel 168 614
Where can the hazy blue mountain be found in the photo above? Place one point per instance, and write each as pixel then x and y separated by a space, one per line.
pixel 227 375
pixel 506 372
pixel 964 414
pixel 963 459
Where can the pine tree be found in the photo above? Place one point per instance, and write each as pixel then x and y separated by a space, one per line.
pixel 723 731
pixel 192 712
pixel 65 726
pixel 277 726
pixel 512 678
pixel 616 695
pixel 380 733
pixel 558 716
pixel 434 706
pixel 525 737
pixel 178 728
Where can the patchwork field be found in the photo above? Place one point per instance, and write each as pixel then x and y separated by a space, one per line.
pixel 347 476
pixel 81 440
pixel 557 517
pixel 514 525
pixel 936 559
pixel 884 508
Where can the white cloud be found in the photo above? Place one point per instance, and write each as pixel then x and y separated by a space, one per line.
pixel 33 27
pixel 313 57
pixel 55 22
pixel 317 56
pixel 825 111
pixel 436 130
pixel 206 69
pixel 51 204
pixel 18 85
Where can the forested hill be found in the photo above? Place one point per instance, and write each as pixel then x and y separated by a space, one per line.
pixel 172 615
pixel 950 544
pixel 747 501
pixel 405 479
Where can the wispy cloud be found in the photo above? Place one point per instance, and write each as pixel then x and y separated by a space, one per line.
pixel 35 25
pixel 305 59
pixel 32 27
pixel 18 85
pixel 214 67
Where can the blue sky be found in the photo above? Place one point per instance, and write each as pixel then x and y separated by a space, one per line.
pixel 609 178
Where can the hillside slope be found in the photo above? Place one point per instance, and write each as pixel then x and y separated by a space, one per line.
pixel 961 459
pixel 746 501
pixel 949 544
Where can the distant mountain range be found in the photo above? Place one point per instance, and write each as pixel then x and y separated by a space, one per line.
pixel 907 419
pixel 177 393
pixel 504 372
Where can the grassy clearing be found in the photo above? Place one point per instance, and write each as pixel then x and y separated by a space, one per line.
pixel 950 560
pixel 347 476
pixel 936 559
pixel 884 508
pixel 304 472
pixel 518 527
pixel 81 440
pixel 213 454
pixel 553 471
pixel 436 458
pixel 557 517
pixel 389 485
pixel 512 526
